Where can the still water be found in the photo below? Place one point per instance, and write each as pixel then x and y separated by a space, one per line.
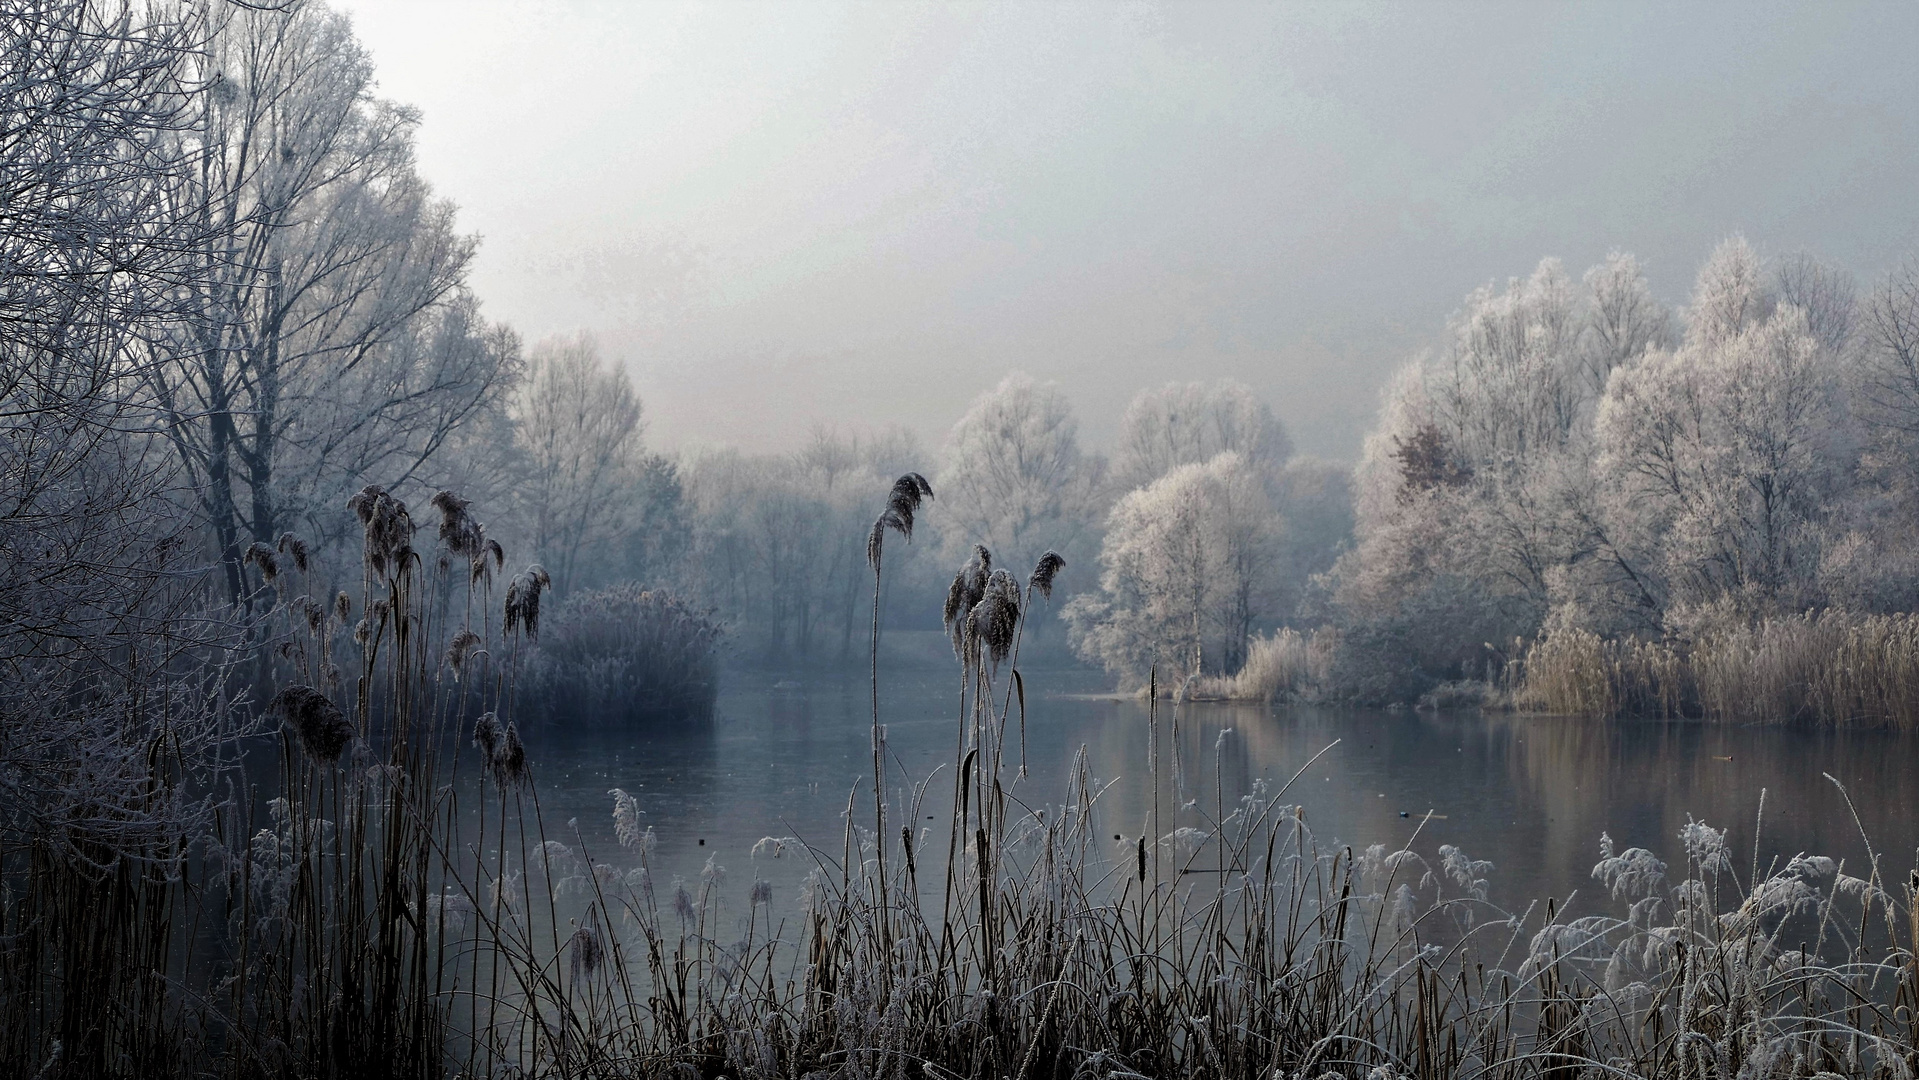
pixel 1531 794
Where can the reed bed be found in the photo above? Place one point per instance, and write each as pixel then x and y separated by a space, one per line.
pixel 624 654
pixel 1288 663
pixel 398 906
pixel 1831 668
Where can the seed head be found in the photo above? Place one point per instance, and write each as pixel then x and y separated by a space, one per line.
pixel 995 619
pixel 459 648
pixel 317 724
pixel 261 556
pixel 486 736
pixel 523 599
pixel 966 591
pixel 389 528
pixel 587 953
pixel 902 503
pixel 294 548
pixel 342 606
pixel 509 759
pixel 458 531
pixel 1049 565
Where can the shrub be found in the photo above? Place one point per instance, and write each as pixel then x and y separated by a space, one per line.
pixel 624 654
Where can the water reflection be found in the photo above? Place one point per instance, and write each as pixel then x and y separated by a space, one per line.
pixel 1532 794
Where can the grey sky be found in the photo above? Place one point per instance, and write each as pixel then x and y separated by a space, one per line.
pixel 863 214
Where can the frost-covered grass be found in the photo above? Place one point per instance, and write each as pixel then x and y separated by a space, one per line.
pixel 624 654
pixel 1286 663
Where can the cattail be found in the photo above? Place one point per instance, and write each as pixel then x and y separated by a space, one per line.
pixel 261 556
pixel 458 649
pixel 587 953
pixel 1050 564
pixel 295 548
pixel 317 724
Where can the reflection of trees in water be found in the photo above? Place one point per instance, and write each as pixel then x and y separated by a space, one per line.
pixel 1640 781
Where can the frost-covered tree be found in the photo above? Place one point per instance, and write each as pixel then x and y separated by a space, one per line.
pixel 778 542
pixel 1726 450
pixel 1186 573
pixel 333 339
pixel 1475 491
pixel 1013 476
pixel 1188 423
pixel 580 431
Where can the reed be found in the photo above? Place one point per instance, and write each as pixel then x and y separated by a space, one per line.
pixel 621 655
pixel 1832 668
pixel 1287 664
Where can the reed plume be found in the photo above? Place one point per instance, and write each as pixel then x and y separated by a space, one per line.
pixel 509 758
pixel 994 620
pixel 587 953
pixel 319 726
pixel 966 591
pixel 902 505
pixel 486 736
pixel 459 648
pixel 523 599
pixel 389 528
pixel 1050 564
pixel 294 548
pixel 261 556
pixel 343 606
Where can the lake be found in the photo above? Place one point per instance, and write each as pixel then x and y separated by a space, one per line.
pixel 1532 794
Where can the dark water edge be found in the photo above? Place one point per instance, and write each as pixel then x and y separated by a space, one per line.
pixel 1530 793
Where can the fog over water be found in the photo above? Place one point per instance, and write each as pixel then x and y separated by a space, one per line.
pixel 862 214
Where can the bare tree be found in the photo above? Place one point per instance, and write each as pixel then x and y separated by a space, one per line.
pixel 579 426
pixel 1186 572
pixel 111 743
pixel 332 335
pixel 1187 423
pixel 1014 477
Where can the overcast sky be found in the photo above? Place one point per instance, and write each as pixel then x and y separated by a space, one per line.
pixel 864 214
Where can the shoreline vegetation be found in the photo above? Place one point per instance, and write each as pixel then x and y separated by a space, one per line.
pixel 404 909
pixel 1829 668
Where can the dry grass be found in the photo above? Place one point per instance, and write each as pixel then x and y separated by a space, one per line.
pixel 1831 668
pixel 1288 663
pixel 624 655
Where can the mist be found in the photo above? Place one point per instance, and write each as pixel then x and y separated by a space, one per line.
pixel 785 215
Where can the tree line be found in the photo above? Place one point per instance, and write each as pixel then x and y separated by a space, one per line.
pixel 1580 457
